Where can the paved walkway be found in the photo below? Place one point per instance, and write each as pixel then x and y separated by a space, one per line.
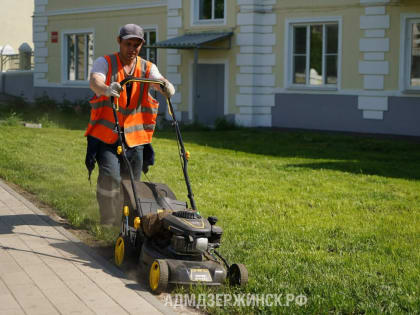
pixel 44 269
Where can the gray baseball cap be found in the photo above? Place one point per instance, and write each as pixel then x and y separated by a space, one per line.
pixel 132 31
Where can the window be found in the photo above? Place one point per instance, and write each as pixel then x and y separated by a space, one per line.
pixel 149 53
pixel 314 55
pixel 413 55
pixel 79 57
pixel 209 11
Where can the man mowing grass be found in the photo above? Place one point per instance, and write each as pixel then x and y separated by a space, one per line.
pixel 137 117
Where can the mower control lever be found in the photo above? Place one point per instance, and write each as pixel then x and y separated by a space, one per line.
pixel 141 80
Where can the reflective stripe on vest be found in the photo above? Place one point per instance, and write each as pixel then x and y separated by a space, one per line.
pixel 103 122
pixel 137 118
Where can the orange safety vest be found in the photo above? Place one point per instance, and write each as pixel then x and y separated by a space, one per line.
pixel 138 119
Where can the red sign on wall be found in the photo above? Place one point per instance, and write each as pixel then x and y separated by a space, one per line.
pixel 54 37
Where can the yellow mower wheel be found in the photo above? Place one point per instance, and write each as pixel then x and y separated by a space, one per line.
pixel 119 251
pixel 158 276
pixel 238 275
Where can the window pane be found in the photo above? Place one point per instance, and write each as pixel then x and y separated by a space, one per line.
pixel 146 38
pixel 90 51
pixel 80 57
pixel 152 51
pixel 153 55
pixel 415 56
pixel 143 50
pixel 71 74
pixel 143 53
pixel 204 9
pixel 332 38
pixel 316 55
pixel 299 71
pixel 146 52
pixel 152 38
pixel 331 69
pixel 300 40
pixel 219 10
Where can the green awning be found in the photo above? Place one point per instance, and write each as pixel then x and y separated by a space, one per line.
pixel 194 40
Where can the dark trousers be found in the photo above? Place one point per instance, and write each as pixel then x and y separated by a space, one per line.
pixel 112 169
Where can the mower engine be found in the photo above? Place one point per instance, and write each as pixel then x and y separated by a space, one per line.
pixel 191 233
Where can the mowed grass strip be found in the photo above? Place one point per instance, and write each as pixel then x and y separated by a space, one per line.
pixel 332 217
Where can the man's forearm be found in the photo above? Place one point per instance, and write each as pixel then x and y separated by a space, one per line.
pixel 97 85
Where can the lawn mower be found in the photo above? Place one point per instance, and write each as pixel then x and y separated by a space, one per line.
pixel 173 243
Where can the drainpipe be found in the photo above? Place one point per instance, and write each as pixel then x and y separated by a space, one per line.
pixel 195 81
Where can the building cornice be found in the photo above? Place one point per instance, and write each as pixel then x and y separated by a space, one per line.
pixel 109 8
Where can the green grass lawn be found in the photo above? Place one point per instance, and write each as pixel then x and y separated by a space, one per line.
pixel 333 217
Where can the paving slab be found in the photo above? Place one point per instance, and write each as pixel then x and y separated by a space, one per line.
pixel 46 270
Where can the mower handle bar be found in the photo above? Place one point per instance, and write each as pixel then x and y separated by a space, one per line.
pixel 178 134
pixel 141 80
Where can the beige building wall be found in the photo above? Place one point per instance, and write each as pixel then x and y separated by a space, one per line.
pixel 209 56
pixel 58 5
pixel 231 10
pixel 16 23
pixel 105 26
pixel 227 56
pixel 348 11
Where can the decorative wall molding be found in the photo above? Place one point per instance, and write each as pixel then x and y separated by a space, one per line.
pixel 374 2
pixel 375 10
pixel 374 56
pixel 373 114
pixel 173 56
pixel 374 21
pixel 374 44
pixel 347 92
pixel 373 103
pixel 254 80
pixel 174 4
pixel 256 49
pixel 256 60
pixel 40 38
pixel 375 33
pixel 373 82
pixel 108 8
pixel 374 67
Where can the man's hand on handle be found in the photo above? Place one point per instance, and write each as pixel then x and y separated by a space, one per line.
pixel 114 89
pixel 168 89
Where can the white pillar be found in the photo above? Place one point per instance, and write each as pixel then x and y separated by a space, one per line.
pixel 374 67
pixel 256 59
pixel 173 61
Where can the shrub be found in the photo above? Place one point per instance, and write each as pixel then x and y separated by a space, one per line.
pixel 46 122
pixel 12 120
pixel 45 103
pixel 224 124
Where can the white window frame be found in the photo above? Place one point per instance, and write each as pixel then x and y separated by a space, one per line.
pixel 64 54
pixel 405 52
pixel 288 61
pixel 152 28
pixel 195 15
